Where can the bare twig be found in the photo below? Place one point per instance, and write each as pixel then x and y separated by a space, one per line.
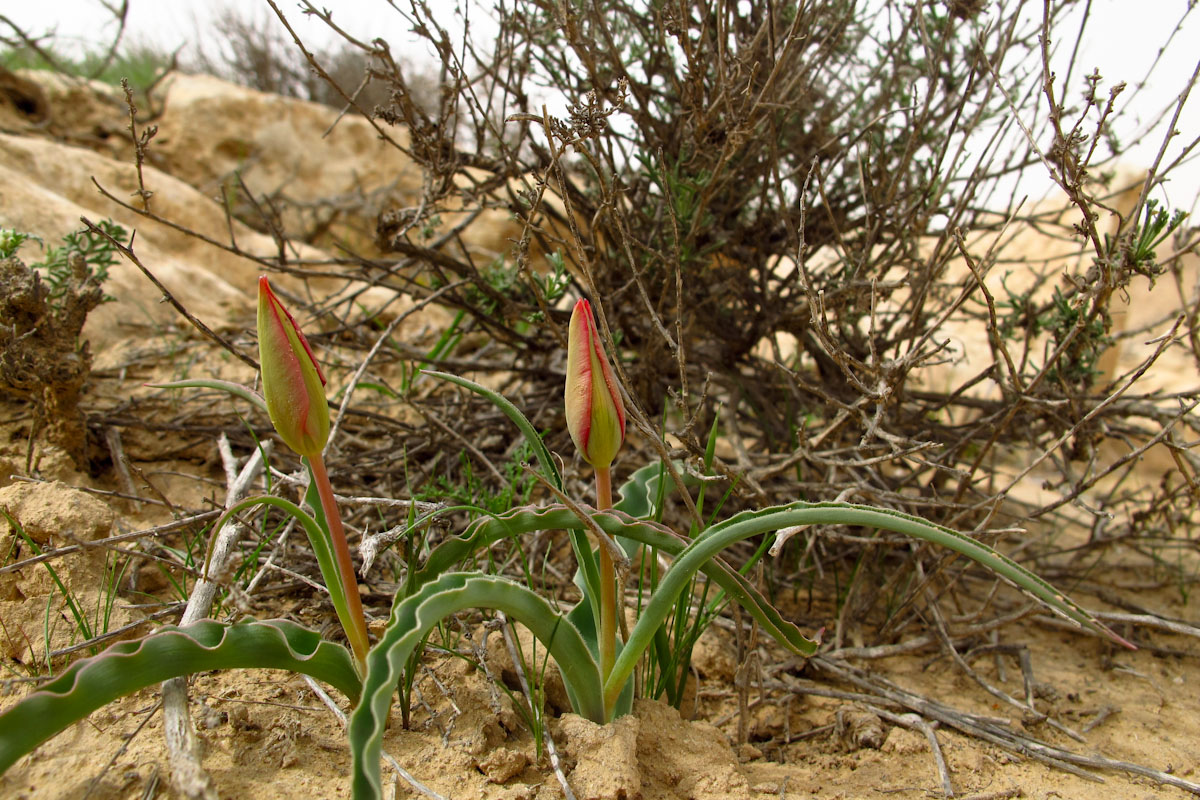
pixel 188 776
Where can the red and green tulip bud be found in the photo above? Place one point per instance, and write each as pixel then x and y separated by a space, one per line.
pixel 292 382
pixel 595 413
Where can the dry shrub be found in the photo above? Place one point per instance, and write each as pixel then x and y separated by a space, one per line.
pixel 802 222
pixel 790 213
pixel 798 221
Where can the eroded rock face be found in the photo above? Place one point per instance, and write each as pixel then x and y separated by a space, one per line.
pixel 212 136
pixel 328 175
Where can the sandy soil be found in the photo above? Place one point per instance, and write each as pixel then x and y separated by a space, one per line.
pixel 266 734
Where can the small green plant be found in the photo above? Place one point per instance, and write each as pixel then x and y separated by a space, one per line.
pixel 97 253
pixel 1157 225
pixel 87 626
pixel 471 492
pixel 93 252
pixel 596 663
pixel 11 241
pixel 1061 319
pixel 551 286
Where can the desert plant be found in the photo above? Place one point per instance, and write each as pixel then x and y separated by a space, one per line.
pixel 596 666
pixel 44 305
pixel 786 209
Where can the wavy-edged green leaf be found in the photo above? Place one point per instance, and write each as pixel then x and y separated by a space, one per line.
pixel 750 523
pixel 549 468
pixel 525 520
pixel 318 538
pixel 640 490
pixel 414 616
pixel 235 389
pixel 584 620
pixel 93 682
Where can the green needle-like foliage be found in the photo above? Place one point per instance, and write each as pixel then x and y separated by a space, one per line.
pixel 170 653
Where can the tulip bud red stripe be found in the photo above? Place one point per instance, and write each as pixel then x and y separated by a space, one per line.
pixel 291 326
pixel 294 390
pixel 293 383
pixel 610 382
pixel 590 380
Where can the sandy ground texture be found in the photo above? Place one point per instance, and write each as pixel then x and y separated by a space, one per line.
pixel 265 734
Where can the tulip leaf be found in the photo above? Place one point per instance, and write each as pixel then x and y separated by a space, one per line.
pixel 639 494
pixel 171 652
pixel 235 389
pixel 318 538
pixel 529 519
pixel 413 617
pixel 549 468
pixel 704 548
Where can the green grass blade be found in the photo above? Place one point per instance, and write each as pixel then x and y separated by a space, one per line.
pixel 236 389
pixel 81 622
pixel 170 653
pixel 413 617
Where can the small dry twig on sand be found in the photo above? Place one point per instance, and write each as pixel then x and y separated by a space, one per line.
pixel 187 775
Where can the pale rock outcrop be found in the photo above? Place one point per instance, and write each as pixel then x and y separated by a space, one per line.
pixel 322 169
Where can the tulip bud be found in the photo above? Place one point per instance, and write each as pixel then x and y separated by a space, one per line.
pixel 292 383
pixel 595 413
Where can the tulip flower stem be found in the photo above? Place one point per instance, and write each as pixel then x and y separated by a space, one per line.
pixel 356 631
pixel 608 581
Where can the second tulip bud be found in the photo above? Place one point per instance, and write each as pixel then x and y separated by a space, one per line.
pixel 595 412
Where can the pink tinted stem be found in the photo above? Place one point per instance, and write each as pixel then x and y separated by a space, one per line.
pixel 357 635
pixel 608 582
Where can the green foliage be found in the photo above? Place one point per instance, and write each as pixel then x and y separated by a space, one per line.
pixel 57 265
pixel 1145 238
pixel 411 621
pixel 11 241
pixel 433 590
pixel 96 251
pixel 141 64
pixel 468 489
pixel 552 286
pixel 87 626
pixel 1062 317
pixel 191 557
pixel 126 667
pixel 669 660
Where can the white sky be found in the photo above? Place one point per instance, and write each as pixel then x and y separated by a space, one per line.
pixel 1123 39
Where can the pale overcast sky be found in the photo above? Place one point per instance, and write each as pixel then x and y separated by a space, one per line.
pixel 1123 40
